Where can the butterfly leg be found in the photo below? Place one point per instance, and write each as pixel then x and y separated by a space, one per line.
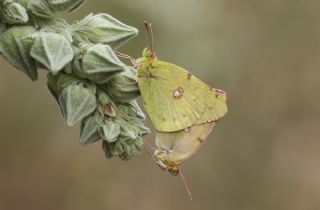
pixel 122 55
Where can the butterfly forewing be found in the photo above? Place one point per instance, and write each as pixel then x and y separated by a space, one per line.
pixel 175 99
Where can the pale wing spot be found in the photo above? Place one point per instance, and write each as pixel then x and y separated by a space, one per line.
pixel 178 93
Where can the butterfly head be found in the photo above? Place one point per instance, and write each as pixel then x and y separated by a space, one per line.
pixel 148 54
pixel 163 160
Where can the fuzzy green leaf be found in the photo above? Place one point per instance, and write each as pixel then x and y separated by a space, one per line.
pixel 40 8
pixel 58 26
pixel 76 101
pixel 129 141
pixel 102 28
pixel 65 5
pixel 56 83
pixel 99 64
pixel 123 87
pixel 90 130
pixel 110 131
pixel 135 110
pixel 3 28
pixel 52 50
pixel 15 47
pixel 52 85
pixel 123 148
pixel 14 13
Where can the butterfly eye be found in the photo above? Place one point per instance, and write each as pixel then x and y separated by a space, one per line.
pixel 174 171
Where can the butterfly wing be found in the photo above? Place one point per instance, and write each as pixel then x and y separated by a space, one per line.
pixel 181 145
pixel 175 99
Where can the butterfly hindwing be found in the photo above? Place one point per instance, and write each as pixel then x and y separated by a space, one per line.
pixel 175 147
pixel 175 99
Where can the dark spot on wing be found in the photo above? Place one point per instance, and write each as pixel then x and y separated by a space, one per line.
pixel 189 75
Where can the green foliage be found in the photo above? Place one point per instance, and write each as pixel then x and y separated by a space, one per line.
pixel 98 63
pixel 123 87
pixel 14 13
pixel 15 47
pixel 85 76
pixel 52 50
pixel 102 28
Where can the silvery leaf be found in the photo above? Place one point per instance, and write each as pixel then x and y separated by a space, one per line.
pixel 15 47
pixel 99 64
pixel 102 28
pixel 123 148
pixel 110 131
pixel 123 87
pixel 58 26
pixel 52 85
pixel 136 110
pixel 65 5
pixel 3 28
pixel 57 83
pixel 76 102
pixel 14 13
pixel 90 129
pixel 52 50
pixel 40 8
pixel 67 68
pixel 64 80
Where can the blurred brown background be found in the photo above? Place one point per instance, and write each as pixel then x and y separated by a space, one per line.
pixel 265 155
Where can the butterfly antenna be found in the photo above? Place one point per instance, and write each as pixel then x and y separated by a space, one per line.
pixel 148 26
pixel 185 183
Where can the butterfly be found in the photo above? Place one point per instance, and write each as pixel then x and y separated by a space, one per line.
pixel 181 107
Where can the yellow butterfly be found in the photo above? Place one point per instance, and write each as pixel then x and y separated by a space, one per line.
pixel 181 107
pixel 175 147
pixel 174 98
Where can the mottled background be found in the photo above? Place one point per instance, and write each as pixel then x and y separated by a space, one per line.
pixel 265 155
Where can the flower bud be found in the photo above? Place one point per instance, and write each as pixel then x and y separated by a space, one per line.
pixel 3 28
pixel 52 50
pixel 14 13
pixel 40 8
pixel 106 106
pixel 102 28
pixel 136 110
pixel 129 141
pixel 77 101
pixel 65 5
pixel 123 148
pixel 110 131
pixel 98 63
pixel 15 47
pixel 90 129
pixel 123 87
